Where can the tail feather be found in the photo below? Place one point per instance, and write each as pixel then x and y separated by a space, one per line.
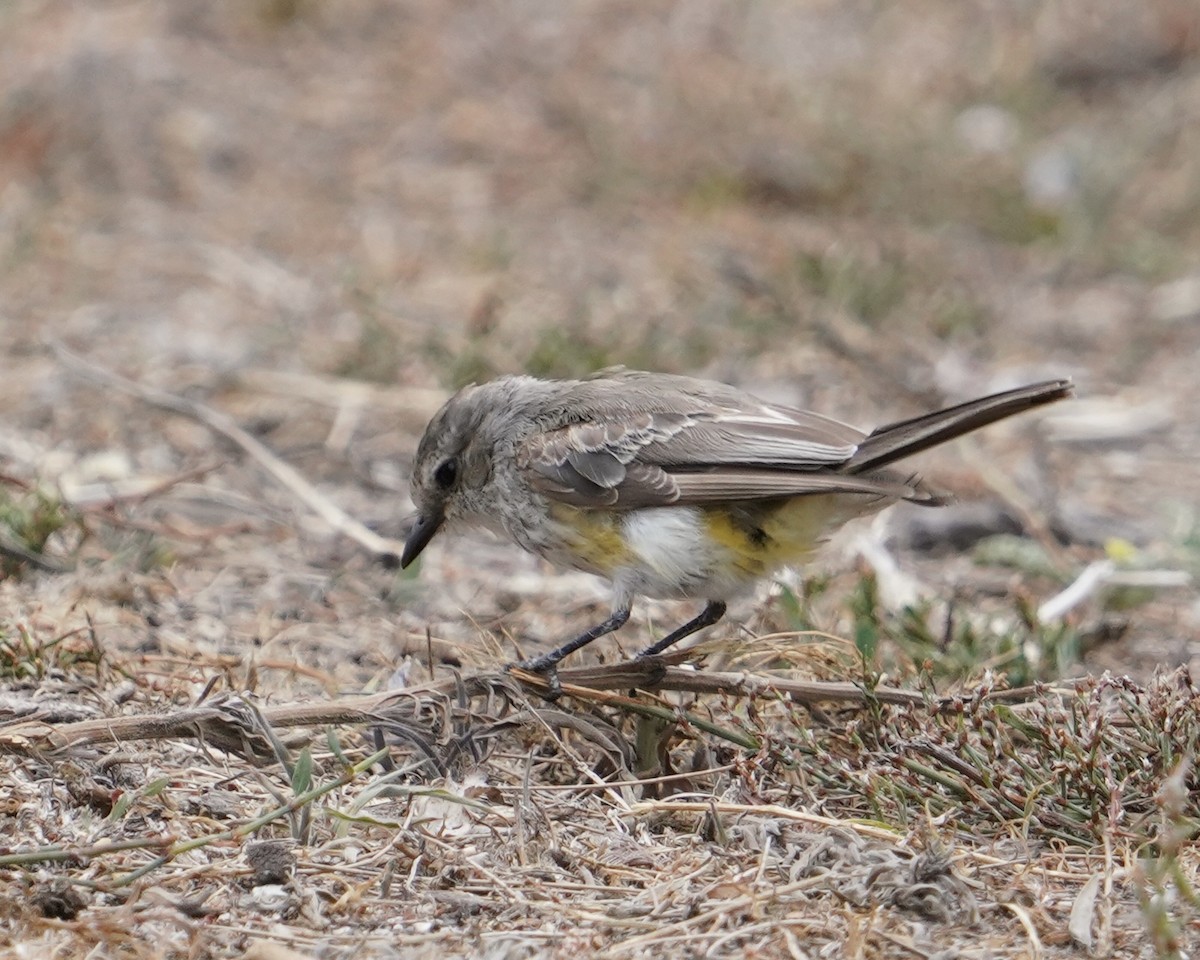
pixel 896 441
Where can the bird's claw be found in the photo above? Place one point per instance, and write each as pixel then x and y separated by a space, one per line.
pixel 546 667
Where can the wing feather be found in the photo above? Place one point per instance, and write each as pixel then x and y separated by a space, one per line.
pixel 628 439
pixel 694 453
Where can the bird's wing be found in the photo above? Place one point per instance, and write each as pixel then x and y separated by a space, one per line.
pixel 628 440
pixel 695 454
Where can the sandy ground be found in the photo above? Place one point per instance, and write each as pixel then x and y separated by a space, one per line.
pixel 319 218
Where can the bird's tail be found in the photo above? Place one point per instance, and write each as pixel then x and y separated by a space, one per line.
pixel 903 439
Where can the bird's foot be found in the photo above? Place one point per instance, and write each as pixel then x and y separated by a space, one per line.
pixel 547 666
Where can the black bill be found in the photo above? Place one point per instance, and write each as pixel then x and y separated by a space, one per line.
pixel 419 536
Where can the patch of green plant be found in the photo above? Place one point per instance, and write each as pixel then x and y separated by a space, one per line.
pixel 870 291
pixel 469 365
pixel 716 190
pixel 458 364
pixel 868 623
pixel 1013 552
pixel 797 607
pixel 138 550
pixel 27 522
pixel 567 353
pixel 957 314
pixel 1002 212
pixel 26 656
pixel 945 644
pixel 1184 537
pixel 405 587
pixel 762 321
pixel 660 347
pixel 1101 758
pixel 964 644
pixel 126 800
pixel 1164 888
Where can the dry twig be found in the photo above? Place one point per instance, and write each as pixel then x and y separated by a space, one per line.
pixel 223 723
pixel 286 475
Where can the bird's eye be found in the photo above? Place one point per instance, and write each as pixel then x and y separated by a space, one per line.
pixel 446 473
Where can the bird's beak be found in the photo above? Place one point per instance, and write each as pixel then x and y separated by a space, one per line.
pixel 419 536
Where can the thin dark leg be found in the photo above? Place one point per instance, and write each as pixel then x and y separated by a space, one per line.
pixel 708 616
pixel 548 661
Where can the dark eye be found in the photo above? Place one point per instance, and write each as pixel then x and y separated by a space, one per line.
pixel 446 473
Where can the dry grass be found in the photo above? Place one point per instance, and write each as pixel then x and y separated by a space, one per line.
pixel 305 221
pixel 1004 825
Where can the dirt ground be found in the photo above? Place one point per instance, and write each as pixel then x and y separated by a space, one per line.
pixel 317 219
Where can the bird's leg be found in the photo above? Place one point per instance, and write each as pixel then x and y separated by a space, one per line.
pixel 547 663
pixel 713 612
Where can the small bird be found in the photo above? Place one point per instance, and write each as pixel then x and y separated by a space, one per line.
pixel 668 486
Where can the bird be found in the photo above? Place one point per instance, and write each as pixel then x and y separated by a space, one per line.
pixel 668 486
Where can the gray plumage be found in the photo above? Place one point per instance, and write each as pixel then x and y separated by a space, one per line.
pixel 628 443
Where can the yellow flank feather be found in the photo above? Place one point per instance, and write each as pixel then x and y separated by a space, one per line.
pixel 737 542
pixel 749 556
pixel 593 537
pixel 782 534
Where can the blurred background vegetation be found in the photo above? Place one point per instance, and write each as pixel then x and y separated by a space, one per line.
pixel 437 191
pixel 864 207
